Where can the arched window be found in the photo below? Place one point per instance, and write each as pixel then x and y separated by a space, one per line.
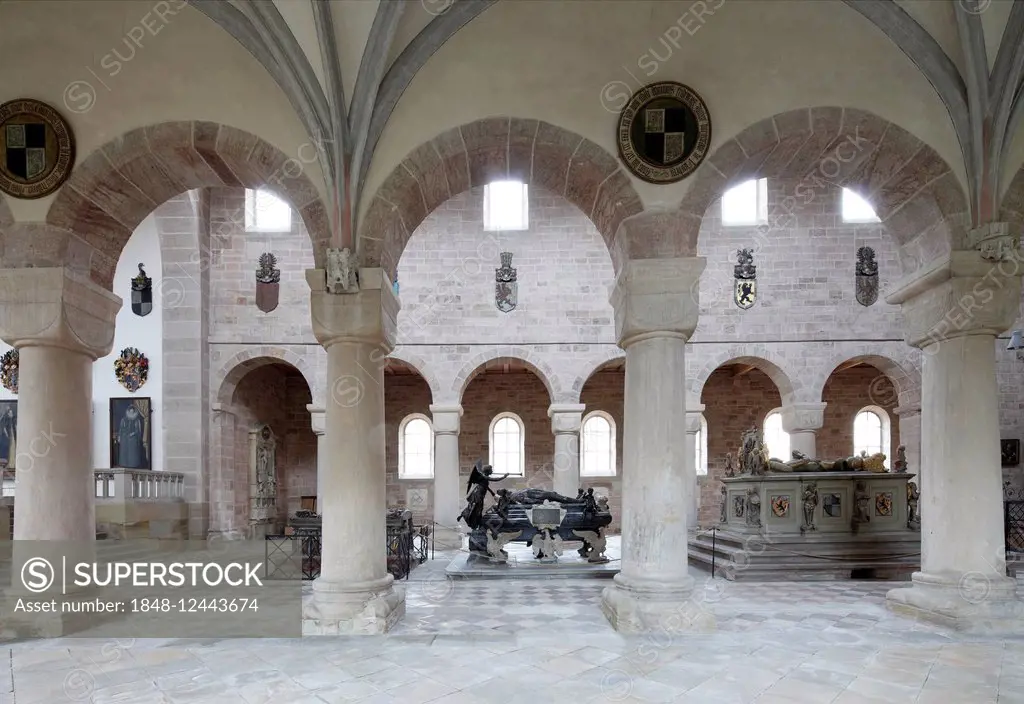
pixel 506 206
pixel 265 212
pixel 775 438
pixel 415 448
pixel 871 432
pixel 508 444
pixel 597 445
pixel 856 209
pixel 701 447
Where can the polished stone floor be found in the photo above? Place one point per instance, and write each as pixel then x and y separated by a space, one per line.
pixel 541 641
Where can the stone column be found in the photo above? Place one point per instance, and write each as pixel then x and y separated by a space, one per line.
pixel 565 424
pixel 223 500
pixel 692 428
pixel 953 310
pixel 60 322
pixel 656 308
pixel 447 497
pixel 318 420
pixel 354 594
pixel 802 421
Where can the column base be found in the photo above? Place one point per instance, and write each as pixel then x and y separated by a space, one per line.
pixel 969 602
pixel 642 606
pixel 353 608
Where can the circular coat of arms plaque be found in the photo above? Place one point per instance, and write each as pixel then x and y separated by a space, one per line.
pixel 664 132
pixel 37 149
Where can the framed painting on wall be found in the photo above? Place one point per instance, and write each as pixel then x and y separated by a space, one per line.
pixel 8 433
pixel 131 433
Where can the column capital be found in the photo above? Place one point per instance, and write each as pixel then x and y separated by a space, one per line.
pixel 56 307
pixel 317 418
pixel 963 293
pixel 803 416
pixel 367 316
pixel 995 241
pixel 219 407
pixel 657 298
pixel 446 419
pixel 566 417
pixel 909 410
pixel 693 414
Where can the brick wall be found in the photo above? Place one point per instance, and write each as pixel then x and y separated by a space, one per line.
pixel 846 393
pixel 605 391
pixel 404 395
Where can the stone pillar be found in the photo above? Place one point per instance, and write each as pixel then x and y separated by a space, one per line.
pixel 693 415
pixel 223 500
pixel 60 322
pixel 354 594
pixel 656 308
pixel 953 311
pixel 565 424
pixel 318 420
pixel 802 421
pixel 447 497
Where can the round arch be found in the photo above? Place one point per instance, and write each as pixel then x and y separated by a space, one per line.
pixel 233 369
pixel 113 189
pixel 915 193
pixel 905 377
pixel 614 356
pixel 739 354
pixel 541 369
pixel 476 153
pixel 422 368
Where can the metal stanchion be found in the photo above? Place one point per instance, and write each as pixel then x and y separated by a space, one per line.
pixel 714 532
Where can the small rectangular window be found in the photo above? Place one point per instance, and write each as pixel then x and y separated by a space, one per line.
pixel 506 206
pixel 265 212
pixel 746 204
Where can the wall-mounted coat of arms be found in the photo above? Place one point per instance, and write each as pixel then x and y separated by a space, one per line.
pixel 745 273
pixel 506 287
pixel 268 283
pixel 867 276
pixel 142 293
pixel 664 132
pixel 37 149
pixel 9 370
pixel 780 505
pixel 131 369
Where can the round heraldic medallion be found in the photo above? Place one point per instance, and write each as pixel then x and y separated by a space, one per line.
pixel 37 149
pixel 664 132
pixel 131 369
pixel 9 371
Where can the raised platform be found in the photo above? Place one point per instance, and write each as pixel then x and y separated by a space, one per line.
pixel 522 564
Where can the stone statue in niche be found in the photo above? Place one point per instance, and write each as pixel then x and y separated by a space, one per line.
pixel 810 504
pixel 722 516
pixel 753 508
pixel 730 469
pixel 263 476
pixel 900 463
pixel 913 502
pixel 861 506
pixel 867 276
pixel 342 271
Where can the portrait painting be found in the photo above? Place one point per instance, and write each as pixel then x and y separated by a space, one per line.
pixel 131 433
pixel 8 433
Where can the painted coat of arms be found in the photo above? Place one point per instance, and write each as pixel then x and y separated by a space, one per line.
pixel 883 503
pixel 867 276
pixel 505 286
pixel 268 283
pixel 9 371
pixel 37 149
pixel 142 293
pixel 745 273
pixel 131 369
pixel 780 505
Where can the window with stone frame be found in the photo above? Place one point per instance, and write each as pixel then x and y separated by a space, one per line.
pixel 506 206
pixel 746 204
pixel 871 432
pixel 415 448
pixel 857 209
pixel 507 445
pixel 265 212
pixel 597 445
pixel 775 438
pixel 701 447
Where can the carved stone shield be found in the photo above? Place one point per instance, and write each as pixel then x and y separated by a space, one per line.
pixel 142 293
pixel 745 289
pixel 867 276
pixel 268 284
pixel 506 287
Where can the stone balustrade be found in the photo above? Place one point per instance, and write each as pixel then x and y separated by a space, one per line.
pixel 139 485
pixel 140 503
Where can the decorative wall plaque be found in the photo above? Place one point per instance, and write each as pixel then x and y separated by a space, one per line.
pixel 745 273
pixel 832 505
pixel 664 132
pixel 506 288
pixel 1010 450
pixel 9 370
pixel 131 369
pixel 142 293
pixel 780 505
pixel 268 283
pixel 883 503
pixel 867 276
pixel 37 149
